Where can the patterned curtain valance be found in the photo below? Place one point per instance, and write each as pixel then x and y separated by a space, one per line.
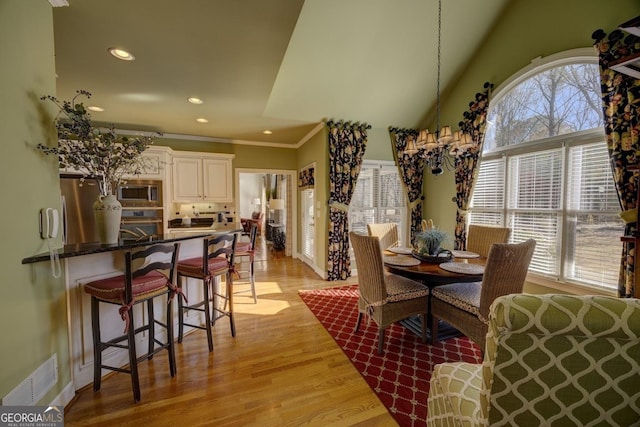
pixel 306 178
pixel 616 46
pixel 621 113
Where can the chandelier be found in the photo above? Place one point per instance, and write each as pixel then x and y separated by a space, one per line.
pixel 435 146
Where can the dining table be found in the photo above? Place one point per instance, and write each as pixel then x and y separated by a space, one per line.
pixel 460 266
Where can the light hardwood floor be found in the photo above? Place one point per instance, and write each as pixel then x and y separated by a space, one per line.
pixel 281 369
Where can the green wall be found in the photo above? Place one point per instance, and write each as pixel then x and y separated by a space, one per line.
pixel 34 309
pixel 378 145
pixel 526 30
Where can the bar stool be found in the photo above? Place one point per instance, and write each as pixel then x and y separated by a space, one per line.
pixel 142 282
pixel 247 250
pixel 217 260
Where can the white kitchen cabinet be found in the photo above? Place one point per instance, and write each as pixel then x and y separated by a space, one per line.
pixel 154 164
pixel 202 177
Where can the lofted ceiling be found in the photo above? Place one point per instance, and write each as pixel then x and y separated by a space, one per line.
pixel 281 65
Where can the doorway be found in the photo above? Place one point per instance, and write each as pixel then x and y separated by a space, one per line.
pixel 273 193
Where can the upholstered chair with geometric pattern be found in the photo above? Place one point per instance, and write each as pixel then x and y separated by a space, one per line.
pixel 550 360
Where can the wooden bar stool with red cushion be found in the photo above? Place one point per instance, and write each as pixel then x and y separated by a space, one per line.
pixel 247 250
pixel 153 275
pixel 216 261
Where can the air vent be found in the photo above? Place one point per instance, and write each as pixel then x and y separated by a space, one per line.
pixel 35 386
pixel 59 3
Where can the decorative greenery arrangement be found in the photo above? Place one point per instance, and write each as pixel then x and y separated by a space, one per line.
pixel 429 242
pixel 98 154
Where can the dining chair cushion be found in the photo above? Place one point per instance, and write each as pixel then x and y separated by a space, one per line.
pixel 193 266
pixel 112 288
pixel 401 288
pixel 243 248
pixel 464 295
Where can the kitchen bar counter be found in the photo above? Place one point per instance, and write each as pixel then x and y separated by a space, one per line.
pixel 88 262
pixel 69 251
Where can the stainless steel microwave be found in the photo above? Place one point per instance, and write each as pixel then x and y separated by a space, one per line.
pixel 140 193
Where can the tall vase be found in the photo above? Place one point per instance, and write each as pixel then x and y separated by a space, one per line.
pixel 108 211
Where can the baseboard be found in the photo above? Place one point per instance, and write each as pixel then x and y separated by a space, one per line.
pixel 315 268
pixel 65 397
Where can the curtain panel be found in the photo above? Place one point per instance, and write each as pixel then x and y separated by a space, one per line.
pixel 306 178
pixel 411 169
pixel 347 143
pixel 466 163
pixel 621 112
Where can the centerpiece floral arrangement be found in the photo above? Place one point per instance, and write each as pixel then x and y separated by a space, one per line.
pixel 98 154
pixel 428 242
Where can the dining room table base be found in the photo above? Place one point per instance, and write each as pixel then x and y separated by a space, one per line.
pixel 445 330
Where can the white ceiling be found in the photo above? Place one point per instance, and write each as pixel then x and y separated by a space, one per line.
pixel 283 65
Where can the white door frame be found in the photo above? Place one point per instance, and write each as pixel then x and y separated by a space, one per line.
pixel 292 176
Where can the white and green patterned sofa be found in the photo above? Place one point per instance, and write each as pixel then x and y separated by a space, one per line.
pixel 550 360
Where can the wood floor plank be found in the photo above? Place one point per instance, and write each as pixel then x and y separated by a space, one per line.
pixel 281 369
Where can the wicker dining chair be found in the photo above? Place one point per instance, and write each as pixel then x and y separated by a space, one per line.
pixel 386 232
pixel 385 297
pixel 465 306
pixel 481 237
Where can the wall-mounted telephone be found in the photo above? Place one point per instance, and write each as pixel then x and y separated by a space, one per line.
pixel 49 223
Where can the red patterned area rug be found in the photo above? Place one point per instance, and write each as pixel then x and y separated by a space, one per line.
pixel 400 376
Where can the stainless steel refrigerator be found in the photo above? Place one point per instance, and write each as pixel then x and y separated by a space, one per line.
pixel 78 224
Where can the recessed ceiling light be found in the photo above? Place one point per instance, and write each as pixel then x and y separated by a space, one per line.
pixel 267 132
pixel 202 120
pixel 95 108
pixel 195 100
pixel 121 54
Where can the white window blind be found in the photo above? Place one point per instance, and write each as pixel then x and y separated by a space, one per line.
pixel 488 194
pixel 545 153
pixel 593 225
pixel 378 198
pixel 534 206
pixel 361 208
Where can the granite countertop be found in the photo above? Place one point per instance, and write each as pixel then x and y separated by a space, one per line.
pixel 80 249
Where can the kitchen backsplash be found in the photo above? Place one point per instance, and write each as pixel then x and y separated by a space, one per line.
pixel 203 210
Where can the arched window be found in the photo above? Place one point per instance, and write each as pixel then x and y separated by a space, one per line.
pixel 545 172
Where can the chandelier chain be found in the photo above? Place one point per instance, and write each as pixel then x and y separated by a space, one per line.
pixel 438 74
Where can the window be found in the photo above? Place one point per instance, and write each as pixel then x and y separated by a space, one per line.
pixel 378 198
pixel 306 183
pixel 545 173
pixel 308 223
